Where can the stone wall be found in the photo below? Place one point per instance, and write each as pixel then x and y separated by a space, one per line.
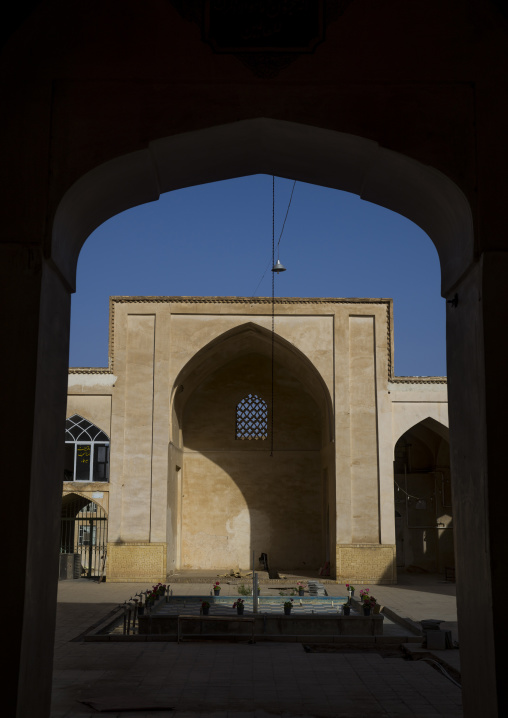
pixel 137 561
pixel 366 563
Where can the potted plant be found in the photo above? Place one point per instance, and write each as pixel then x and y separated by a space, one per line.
pixel 205 608
pixel 216 588
pixel 244 590
pixel 288 605
pixel 350 589
pixel 368 601
pixel 158 590
pixel 239 605
pixel 301 587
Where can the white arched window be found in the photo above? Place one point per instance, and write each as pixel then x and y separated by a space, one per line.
pixel 86 451
pixel 252 418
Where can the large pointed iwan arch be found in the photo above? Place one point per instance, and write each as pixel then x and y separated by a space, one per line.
pixel 232 497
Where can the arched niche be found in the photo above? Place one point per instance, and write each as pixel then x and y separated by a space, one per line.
pixel 235 496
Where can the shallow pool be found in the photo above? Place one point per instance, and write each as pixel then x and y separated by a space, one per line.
pixel 302 605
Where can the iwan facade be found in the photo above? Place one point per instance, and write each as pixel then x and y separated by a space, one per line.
pixel 197 466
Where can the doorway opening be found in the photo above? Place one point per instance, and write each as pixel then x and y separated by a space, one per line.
pixel 84 535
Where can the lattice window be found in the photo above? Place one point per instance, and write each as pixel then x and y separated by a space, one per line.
pixel 79 429
pixel 86 451
pixel 252 418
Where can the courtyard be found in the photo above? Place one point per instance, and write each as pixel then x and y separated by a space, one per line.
pixel 229 680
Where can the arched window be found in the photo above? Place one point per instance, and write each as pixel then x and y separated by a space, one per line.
pixel 252 418
pixel 86 451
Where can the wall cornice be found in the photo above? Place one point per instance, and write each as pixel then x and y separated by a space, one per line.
pixel 246 300
pixel 261 301
pixel 418 380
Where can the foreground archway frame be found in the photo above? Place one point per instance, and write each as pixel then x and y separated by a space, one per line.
pixel 476 364
pixel 287 149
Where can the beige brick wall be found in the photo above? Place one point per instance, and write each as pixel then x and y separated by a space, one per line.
pixel 138 561
pixel 366 563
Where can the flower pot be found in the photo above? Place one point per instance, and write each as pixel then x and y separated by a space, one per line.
pixel 287 610
pixel 351 593
pixel 300 591
pixel 239 610
pixel 216 591
pixel 346 609
pixel 206 610
pixel 366 610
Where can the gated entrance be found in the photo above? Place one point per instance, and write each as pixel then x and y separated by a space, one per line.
pixel 84 533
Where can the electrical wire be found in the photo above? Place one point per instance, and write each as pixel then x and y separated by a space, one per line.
pixel 273 305
pixel 273 233
pixel 410 496
pixel 284 223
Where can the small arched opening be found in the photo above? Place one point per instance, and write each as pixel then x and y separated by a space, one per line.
pixel 83 538
pixel 423 499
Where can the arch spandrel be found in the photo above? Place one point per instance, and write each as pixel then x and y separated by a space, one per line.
pixel 407 415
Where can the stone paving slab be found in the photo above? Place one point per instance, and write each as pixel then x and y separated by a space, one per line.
pixel 280 678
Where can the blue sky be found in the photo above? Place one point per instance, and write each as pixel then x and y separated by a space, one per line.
pixel 215 240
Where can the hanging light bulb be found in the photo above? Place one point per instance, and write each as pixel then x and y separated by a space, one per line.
pixel 278 267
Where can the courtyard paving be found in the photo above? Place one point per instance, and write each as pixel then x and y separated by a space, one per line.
pixel 225 680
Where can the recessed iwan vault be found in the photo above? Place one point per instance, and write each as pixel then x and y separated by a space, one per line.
pixel 188 411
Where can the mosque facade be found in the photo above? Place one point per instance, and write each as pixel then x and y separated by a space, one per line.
pixel 214 437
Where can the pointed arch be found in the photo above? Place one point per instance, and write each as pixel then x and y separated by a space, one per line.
pixel 77 428
pixel 247 338
pixel 408 415
pixel 429 434
pixel 83 535
pixel 250 481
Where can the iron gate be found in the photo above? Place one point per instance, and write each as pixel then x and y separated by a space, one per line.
pixel 84 531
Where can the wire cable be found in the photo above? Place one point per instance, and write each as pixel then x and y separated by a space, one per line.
pixel 273 232
pixel 273 303
pixel 284 223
